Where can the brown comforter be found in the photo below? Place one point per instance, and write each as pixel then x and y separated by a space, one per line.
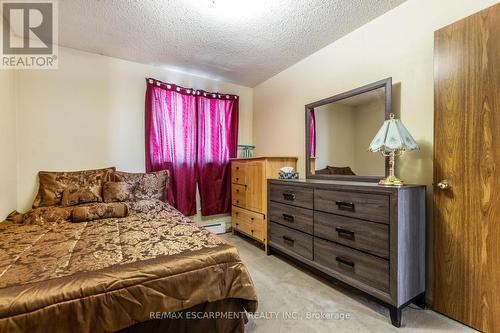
pixel 108 274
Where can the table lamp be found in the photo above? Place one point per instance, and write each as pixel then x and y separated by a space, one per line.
pixel 392 139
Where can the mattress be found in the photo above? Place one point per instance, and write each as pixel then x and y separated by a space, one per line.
pixel 109 274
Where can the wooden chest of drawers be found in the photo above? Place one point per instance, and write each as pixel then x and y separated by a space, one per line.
pixel 249 193
pixel 369 237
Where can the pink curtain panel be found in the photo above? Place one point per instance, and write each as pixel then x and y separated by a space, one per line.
pixel 312 133
pixel 193 135
pixel 217 144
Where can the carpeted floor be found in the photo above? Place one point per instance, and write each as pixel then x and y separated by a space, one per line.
pixel 293 300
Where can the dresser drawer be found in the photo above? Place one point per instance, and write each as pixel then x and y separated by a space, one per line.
pixel 292 195
pixel 373 207
pixel 247 216
pixel 239 195
pixel 239 173
pixel 370 270
pixel 243 227
pixel 362 235
pixel 292 240
pixel 248 222
pixel 293 217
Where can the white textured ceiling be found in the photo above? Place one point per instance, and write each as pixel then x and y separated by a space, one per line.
pixel 241 41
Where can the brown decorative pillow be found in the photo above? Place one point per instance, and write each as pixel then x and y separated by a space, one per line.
pixel 44 215
pixel 149 206
pixel 324 171
pixel 99 211
pixel 53 184
pixel 77 195
pixel 341 171
pixel 146 185
pixel 15 217
pixel 118 191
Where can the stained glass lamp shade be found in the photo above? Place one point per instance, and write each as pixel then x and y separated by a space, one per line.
pixel 392 139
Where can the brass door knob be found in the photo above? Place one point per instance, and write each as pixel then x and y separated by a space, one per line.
pixel 444 184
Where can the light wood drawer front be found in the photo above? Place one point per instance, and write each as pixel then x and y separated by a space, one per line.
pixel 370 270
pixel 247 229
pixel 373 207
pixel 293 217
pixel 292 240
pixel 239 195
pixel 254 219
pixel 248 223
pixel 362 235
pixel 292 195
pixel 239 173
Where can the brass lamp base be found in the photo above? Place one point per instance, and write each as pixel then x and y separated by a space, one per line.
pixel 391 181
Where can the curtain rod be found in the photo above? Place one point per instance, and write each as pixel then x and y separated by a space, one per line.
pixel 193 91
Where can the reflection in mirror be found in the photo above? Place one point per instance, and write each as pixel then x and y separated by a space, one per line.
pixel 343 131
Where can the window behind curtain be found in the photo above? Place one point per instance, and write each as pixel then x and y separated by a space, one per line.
pixel 217 143
pixel 192 134
pixel 170 129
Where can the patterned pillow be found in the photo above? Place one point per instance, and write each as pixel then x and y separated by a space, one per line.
pixel 341 171
pixel 53 184
pixel 99 211
pixel 324 171
pixel 118 191
pixel 44 215
pixel 77 195
pixel 146 185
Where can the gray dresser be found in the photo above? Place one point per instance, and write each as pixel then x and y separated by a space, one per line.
pixel 369 237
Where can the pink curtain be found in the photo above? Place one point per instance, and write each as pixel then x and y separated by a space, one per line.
pixel 312 133
pixel 217 143
pixel 170 129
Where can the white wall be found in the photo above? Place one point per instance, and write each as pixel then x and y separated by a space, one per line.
pixel 90 114
pixel 398 44
pixel 368 118
pixel 343 134
pixel 334 136
pixel 8 156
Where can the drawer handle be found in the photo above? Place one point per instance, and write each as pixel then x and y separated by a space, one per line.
pixel 342 205
pixel 237 201
pixel 237 179
pixel 288 217
pixel 345 233
pixel 237 190
pixel 252 218
pixel 237 168
pixel 344 261
pixel 289 196
pixel 288 239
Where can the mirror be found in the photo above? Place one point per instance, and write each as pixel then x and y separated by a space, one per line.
pixel 339 130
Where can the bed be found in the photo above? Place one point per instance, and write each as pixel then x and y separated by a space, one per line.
pixel 146 271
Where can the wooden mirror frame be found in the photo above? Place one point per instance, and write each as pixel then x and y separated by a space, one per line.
pixel 387 84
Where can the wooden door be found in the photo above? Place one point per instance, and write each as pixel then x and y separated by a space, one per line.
pixel 256 182
pixel 467 154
